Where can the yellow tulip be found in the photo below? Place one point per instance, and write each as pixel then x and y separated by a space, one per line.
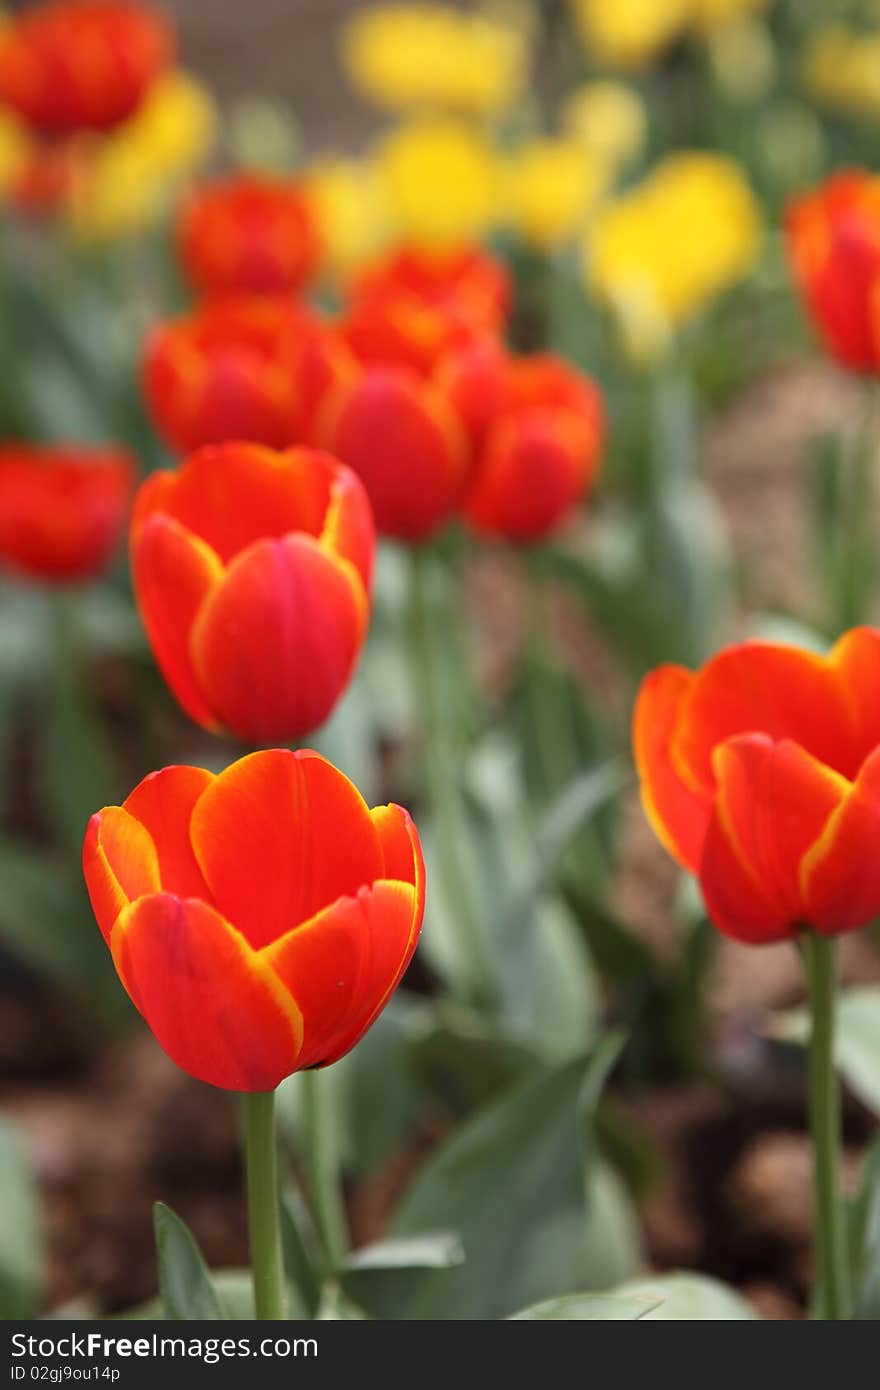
pixel 407 56
pixel 441 181
pixel 712 14
pixel 661 252
pixel 549 187
pixel 14 146
pixel 629 33
pixel 351 210
pixel 841 70
pixel 609 118
pixel 135 171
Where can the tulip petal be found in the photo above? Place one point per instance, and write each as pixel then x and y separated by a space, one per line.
pixel 349 531
pixel 406 445
pixel 840 875
pixel 781 691
pixel 533 470
pixel 342 966
pixel 119 864
pixel 275 644
pixel 279 836
pixel 400 844
pixel 772 804
pixel 856 660
pixel 275 492
pixel 678 814
pixel 174 572
pixel 215 1007
pixel 163 802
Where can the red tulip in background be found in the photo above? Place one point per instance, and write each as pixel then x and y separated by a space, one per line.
pixel 82 64
pixel 246 367
pixel 539 428
pixel 62 508
pixel 833 236
pixel 413 307
pixel 248 233
pixel 406 443
pixel 252 573
pixel 259 919
pixel 761 774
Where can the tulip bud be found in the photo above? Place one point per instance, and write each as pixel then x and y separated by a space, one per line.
pixel 62 509
pixel 252 572
pixel 248 234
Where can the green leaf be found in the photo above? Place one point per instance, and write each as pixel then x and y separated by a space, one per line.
pixel 21 1246
pixel 433 1250
pixel 511 1182
pixel 235 1297
pixel 298 1243
pixel 45 919
pixel 587 1307
pixel 336 1306
pixel 857 1040
pixel 185 1286
pixel 864 1234
pixel 685 1297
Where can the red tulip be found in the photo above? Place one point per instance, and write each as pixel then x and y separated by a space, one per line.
pixel 537 450
pixel 230 370
pixel 82 64
pixel 62 508
pixel 833 237
pixel 252 572
pixel 405 442
pixel 761 774
pixel 414 307
pixel 259 920
pixel 248 234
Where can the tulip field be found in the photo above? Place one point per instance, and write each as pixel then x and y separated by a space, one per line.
pixel 439 662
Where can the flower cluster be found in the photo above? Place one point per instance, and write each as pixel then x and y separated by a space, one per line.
pixel 98 126
pixel 409 386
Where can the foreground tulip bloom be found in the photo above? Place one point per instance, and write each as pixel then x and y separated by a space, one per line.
pixel 227 371
pixel 248 234
pixel 62 509
pixel 83 64
pixel 414 307
pixel 252 572
pixel 761 774
pixel 405 442
pixel 833 237
pixel 260 919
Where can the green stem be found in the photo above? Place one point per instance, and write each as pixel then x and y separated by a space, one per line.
pixel 832 1276
pixel 261 1163
pixel 441 764
pixel 322 1167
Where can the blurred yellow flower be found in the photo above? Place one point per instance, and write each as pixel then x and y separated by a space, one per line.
pixel 743 59
pixel 841 70
pixel 549 187
pixel 629 33
pixel 134 172
pixel 351 211
pixel 405 56
pixel 711 14
pixel 14 146
pixel 441 180
pixel 660 253
pixel 610 120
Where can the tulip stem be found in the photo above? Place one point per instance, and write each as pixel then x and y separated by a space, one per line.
pixel 832 1274
pixel 261 1164
pixel 441 761
pixel 321 1162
